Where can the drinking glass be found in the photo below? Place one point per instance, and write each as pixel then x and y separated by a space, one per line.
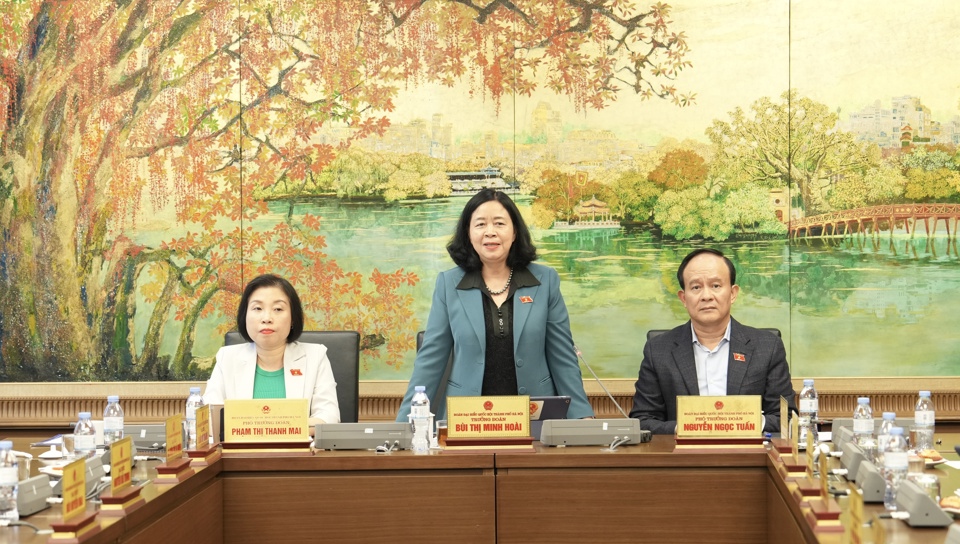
pixel 67 446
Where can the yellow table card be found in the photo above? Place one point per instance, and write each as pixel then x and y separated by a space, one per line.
pixel 732 416
pixel 74 486
pixel 488 417
pixel 266 420
pixel 785 417
pixel 856 508
pixel 879 530
pixel 824 472
pixel 121 463
pixel 174 432
pixel 795 436
pixel 203 428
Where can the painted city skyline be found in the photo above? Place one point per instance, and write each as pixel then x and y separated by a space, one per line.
pixel 879 122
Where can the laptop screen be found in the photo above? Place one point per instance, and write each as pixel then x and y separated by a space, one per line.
pixel 544 408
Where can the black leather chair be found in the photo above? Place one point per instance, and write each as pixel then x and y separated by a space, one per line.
pixel 343 350
pixel 653 333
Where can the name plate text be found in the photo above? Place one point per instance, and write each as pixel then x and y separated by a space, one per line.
pixel 266 420
pixel 733 416
pixel 488 417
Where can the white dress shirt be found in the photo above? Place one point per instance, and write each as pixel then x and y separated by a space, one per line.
pixel 712 364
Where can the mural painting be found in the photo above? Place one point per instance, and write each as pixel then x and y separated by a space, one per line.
pixel 156 155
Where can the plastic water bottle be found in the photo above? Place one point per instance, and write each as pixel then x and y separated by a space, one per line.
pixel 894 466
pixel 883 436
pixel 84 437
pixel 194 401
pixel 9 479
pixel 112 421
pixel 862 422
pixel 809 406
pixel 420 417
pixel 924 420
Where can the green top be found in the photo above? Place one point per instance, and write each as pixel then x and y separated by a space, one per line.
pixel 269 384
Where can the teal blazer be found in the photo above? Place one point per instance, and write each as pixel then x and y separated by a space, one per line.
pixel 546 362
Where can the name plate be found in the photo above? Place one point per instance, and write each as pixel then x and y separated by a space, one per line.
pixel 824 473
pixel 121 464
pixel 173 428
pixel 266 420
pixel 203 427
pixel 785 420
pixel 488 417
pixel 74 489
pixel 795 436
pixel 734 416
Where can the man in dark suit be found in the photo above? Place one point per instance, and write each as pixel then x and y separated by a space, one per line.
pixel 712 354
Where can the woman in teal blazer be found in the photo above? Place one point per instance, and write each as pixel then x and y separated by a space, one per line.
pixel 500 316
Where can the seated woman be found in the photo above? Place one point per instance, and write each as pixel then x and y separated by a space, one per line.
pixel 273 364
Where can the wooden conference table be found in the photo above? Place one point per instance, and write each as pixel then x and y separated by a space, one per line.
pixel 639 493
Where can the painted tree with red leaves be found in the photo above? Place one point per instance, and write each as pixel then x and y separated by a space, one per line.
pixel 137 138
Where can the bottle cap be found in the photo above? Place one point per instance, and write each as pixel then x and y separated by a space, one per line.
pixel 896 430
pixel 808 382
pixel 113 398
pixel 890 415
pixel 924 393
pixel 863 400
pixel 6 444
pixel 419 388
pixel 195 389
pixel 84 415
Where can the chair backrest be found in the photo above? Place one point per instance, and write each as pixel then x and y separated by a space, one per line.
pixel 343 350
pixel 653 333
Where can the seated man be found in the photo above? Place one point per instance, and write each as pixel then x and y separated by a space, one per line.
pixel 712 354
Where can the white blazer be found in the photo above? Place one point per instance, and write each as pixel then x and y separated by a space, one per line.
pixel 306 375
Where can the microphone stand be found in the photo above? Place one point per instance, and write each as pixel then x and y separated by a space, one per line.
pixel 584 361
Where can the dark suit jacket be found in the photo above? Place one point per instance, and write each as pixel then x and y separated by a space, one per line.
pixel 669 369
pixel 546 362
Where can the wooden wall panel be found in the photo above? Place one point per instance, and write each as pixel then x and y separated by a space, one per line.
pixel 199 520
pixel 367 507
pixel 653 505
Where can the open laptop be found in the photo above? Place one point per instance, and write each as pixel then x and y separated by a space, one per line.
pixel 544 408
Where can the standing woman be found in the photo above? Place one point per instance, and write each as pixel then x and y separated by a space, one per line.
pixel 273 365
pixel 500 315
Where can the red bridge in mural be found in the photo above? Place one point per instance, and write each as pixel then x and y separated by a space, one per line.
pixel 873 219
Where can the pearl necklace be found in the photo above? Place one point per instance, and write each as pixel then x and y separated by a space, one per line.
pixel 505 287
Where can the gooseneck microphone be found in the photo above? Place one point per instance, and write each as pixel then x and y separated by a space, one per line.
pixel 584 361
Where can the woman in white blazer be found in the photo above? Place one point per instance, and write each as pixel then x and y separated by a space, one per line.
pixel 273 364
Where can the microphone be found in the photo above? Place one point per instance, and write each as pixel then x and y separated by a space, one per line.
pixel 584 361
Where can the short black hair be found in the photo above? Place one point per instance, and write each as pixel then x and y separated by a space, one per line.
pixel 686 260
pixel 271 280
pixel 522 252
